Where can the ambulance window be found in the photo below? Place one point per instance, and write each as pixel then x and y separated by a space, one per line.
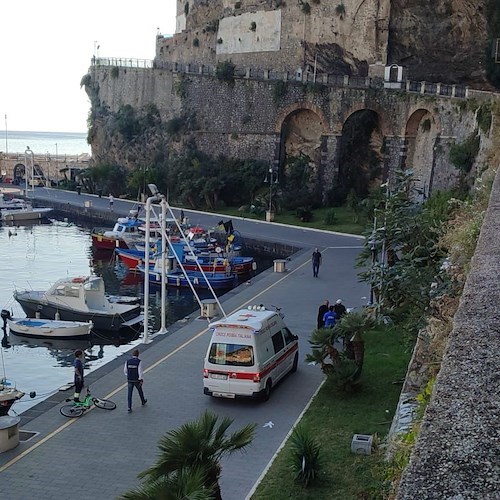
pixel 278 343
pixel 288 336
pixel 231 354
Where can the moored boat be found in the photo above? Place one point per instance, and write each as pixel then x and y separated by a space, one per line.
pixel 49 328
pixel 9 394
pixel 81 299
pixel 109 239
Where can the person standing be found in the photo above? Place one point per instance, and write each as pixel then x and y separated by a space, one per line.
pixel 316 262
pixel 339 308
pixel 78 364
pixel 329 318
pixel 134 372
pixel 111 202
pixel 323 309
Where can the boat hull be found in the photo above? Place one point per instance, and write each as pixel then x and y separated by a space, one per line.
pixel 46 328
pixel 23 215
pixel 178 280
pixel 33 304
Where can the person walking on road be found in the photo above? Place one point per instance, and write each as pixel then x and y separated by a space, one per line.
pixel 111 202
pixel 323 309
pixel 134 372
pixel 316 262
pixel 79 380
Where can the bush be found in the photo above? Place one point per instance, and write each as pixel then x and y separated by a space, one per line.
pixel 330 217
pixel 484 118
pixel 115 71
pixel 280 88
pixel 196 42
pixel 304 214
pixel 305 458
pixel 225 71
pixel 464 155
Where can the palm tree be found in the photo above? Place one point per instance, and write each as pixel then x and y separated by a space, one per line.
pixel 186 484
pixel 199 444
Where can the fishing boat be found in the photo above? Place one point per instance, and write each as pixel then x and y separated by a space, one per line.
pixel 218 281
pixel 81 298
pixel 9 394
pixel 109 239
pixel 49 328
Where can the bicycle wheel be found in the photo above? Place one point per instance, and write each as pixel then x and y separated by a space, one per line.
pixel 104 404
pixel 71 411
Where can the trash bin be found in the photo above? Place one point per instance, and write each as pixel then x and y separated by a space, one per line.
pixel 79 189
pixel 9 432
pixel 362 444
pixel 208 308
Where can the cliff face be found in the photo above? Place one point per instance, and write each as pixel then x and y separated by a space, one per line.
pixel 440 40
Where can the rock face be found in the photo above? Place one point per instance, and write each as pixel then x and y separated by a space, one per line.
pixel 440 40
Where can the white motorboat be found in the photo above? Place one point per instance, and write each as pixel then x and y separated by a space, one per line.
pixel 8 395
pixel 81 298
pixel 49 328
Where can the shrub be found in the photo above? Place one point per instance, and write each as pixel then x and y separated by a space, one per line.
pixel 304 214
pixel 330 217
pixel 280 88
pixel 225 71
pixel 305 458
pixel 463 155
pixel 306 8
pixel 340 10
pixel 196 42
pixel 253 26
pixel 219 40
pixel 484 118
pixel 186 8
pixel 115 71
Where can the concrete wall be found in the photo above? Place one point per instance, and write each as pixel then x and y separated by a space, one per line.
pixel 457 451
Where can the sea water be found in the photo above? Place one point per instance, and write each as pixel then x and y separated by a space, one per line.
pixel 45 143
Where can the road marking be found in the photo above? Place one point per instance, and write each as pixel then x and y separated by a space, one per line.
pixel 56 431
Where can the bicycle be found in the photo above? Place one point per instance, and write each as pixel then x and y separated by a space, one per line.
pixel 78 408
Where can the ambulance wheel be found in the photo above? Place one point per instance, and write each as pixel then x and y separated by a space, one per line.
pixel 267 390
pixel 295 363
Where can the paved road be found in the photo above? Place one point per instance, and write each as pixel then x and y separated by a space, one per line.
pixel 105 450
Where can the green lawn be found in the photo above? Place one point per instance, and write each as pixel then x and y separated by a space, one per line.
pixel 346 220
pixel 334 418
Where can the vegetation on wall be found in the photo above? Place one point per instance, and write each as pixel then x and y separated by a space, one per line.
pixel 224 71
pixel 115 72
pixel 484 117
pixel 280 88
pixel 463 155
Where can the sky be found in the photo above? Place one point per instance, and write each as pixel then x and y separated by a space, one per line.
pixel 46 48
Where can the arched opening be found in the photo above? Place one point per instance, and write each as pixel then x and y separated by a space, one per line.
pixel 18 174
pixel 421 134
pixel 360 156
pixel 300 159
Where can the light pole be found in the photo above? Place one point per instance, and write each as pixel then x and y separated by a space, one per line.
pixel 31 155
pixel 57 167
pixel 272 178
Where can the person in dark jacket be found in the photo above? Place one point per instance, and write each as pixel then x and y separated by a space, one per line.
pixel 134 372
pixel 323 308
pixel 316 262
pixel 79 380
pixel 339 308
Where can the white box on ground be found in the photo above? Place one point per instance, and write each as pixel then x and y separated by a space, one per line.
pixel 362 444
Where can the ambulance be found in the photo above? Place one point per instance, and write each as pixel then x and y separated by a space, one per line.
pixel 249 353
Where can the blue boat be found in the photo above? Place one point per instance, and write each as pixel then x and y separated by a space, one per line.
pixel 218 281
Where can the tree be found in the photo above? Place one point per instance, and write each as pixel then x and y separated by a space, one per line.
pixel 199 445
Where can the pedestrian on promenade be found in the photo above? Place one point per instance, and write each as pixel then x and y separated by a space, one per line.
pixel 323 309
pixel 134 372
pixel 78 364
pixel 111 202
pixel 329 318
pixel 339 308
pixel 316 262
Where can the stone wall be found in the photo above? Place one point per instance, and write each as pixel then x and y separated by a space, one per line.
pixel 456 454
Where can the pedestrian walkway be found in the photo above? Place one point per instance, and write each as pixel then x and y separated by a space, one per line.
pixel 103 451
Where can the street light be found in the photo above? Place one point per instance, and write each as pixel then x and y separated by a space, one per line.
pixel 57 167
pixel 29 153
pixel 272 178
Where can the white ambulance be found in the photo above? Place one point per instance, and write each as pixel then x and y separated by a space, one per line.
pixel 250 351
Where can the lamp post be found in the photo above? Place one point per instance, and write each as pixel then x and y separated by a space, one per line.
pixel 57 167
pixel 272 178
pixel 31 155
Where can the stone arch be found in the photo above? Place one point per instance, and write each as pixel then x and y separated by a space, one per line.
pixel 422 131
pixel 300 106
pixel 361 106
pixel 360 152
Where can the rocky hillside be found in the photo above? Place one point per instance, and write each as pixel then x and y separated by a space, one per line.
pixel 441 40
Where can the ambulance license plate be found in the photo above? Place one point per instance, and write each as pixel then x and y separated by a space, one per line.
pixel 219 376
pixel 223 395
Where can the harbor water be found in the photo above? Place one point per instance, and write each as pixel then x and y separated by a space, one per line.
pixel 34 257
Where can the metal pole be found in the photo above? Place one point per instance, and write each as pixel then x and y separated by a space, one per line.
pixel 146 270
pixel 57 167
pixel 163 328
pixel 6 140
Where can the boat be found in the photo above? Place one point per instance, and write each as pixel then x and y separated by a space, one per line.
pixel 218 281
pixel 9 394
pixel 17 209
pixel 50 328
pixel 81 298
pixel 109 239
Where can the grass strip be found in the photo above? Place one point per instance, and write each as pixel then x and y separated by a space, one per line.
pixel 334 418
